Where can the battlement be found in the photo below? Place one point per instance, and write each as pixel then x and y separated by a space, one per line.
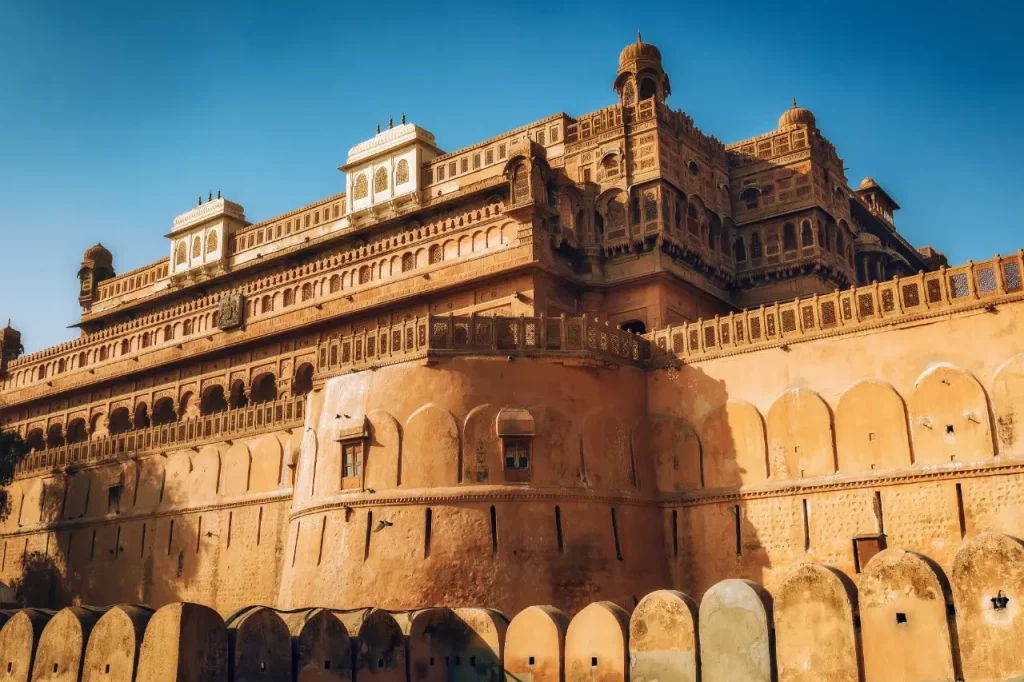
pixel 907 615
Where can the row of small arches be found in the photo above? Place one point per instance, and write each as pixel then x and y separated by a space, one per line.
pixel 360 188
pixel 181 250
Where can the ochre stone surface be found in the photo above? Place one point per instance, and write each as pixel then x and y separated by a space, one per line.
pixel 663 638
pixel 736 633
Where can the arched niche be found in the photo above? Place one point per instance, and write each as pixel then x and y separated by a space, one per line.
pixel 663 638
pixel 430 449
pixel 322 651
pixel 201 484
pixel 481 462
pixel 554 457
pixel 606 451
pixel 260 646
pixel 184 642
pixel 1007 401
pixel 814 632
pixel 61 650
pixel 19 640
pixel 988 591
pixel 676 451
pixel 265 472
pixel 380 648
pixel 735 633
pixel 384 451
pixel 236 469
pixel 596 644
pixel 800 436
pixel 112 654
pixel 177 470
pixel 733 443
pixel 949 417
pixel 534 644
pixel 903 618
pixel 871 428
pixel 150 484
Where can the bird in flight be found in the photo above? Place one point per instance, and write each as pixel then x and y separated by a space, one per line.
pixel 381 525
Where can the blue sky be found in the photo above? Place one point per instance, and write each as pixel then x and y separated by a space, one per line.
pixel 115 116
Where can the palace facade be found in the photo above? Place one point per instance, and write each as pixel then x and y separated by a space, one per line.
pixel 584 360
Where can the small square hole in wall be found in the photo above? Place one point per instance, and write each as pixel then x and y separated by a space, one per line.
pixel 55 666
pixel 532 660
pixel 999 601
pixel 901 618
pixel 263 667
pixel 380 663
pixel 10 666
pixel 871 436
pixel 593 662
pixel 431 660
pixel 327 665
pixel 106 669
pixel 949 429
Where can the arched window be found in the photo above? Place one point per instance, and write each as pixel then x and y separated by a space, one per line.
pixel 648 89
pixel 402 172
pixel 361 188
pixel 120 421
pixel 78 432
pixel 266 305
pixel 126 347
pixel 435 255
pixel 186 328
pixel 104 352
pixel 806 238
pixel 789 237
pixel 303 381
pixel 755 245
pixel 83 359
pixel 610 166
pixel 163 412
pixel 180 254
pixel 628 95
pixel 289 297
pixel 264 388
pixel 520 184
pixel 692 220
pixel 408 262
pixel 213 400
pixel 238 398
pixel 61 366
pixel 145 340
pixel 211 241
pixel 35 441
pixel 335 284
pixel 168 333
pixel 750 196
pixel 380 180
pixel 141 419
pixel 307 291
pixel 364 274
pixel 840 245
pixel 635 326
pixel 197 247
pixel 739 250
pixel 54 436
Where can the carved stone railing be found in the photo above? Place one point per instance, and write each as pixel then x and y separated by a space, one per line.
pixel 243 421
pixel 881 303
pixel 444 335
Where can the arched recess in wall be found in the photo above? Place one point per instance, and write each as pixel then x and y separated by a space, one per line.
pixel 176 475
pixel 676 451
pixel 734 450
pixel 236 469
pixel 814 594
pixel 903 617
pixel 384 451
pixel 267 456
pixel 481 462
pixel 150 483
pixel 430 452
pixel 15 494
pixel 555 450
pixel 606 451
pixel 949 417
pixel 871 428
pixel 381 649
pixel 31 503
pixel 800 440
pixel 201 484
pixel 1007 402
pixel 988 590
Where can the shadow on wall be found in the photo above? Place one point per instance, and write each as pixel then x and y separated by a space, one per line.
pixel 905 617
pixel 149 558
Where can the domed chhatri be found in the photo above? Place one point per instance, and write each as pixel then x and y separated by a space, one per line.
pixel 867 183
pixel 639 51
pixel 98 254
pixel 797 116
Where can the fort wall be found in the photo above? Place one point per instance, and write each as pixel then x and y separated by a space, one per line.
pixel 909 620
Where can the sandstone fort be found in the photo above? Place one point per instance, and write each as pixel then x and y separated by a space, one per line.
pixel 600 398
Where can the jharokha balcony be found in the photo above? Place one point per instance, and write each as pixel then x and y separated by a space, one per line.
pixel 210 428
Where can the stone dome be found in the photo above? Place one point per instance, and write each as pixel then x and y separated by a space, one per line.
pixel 639 51
pixel 795 116
pixel 867 183
pixel 98 254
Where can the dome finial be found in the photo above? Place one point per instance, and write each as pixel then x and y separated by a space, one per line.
pixel 794 101
pixel 638 39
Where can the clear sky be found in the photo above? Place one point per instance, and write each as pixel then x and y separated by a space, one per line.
pixel 115 115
